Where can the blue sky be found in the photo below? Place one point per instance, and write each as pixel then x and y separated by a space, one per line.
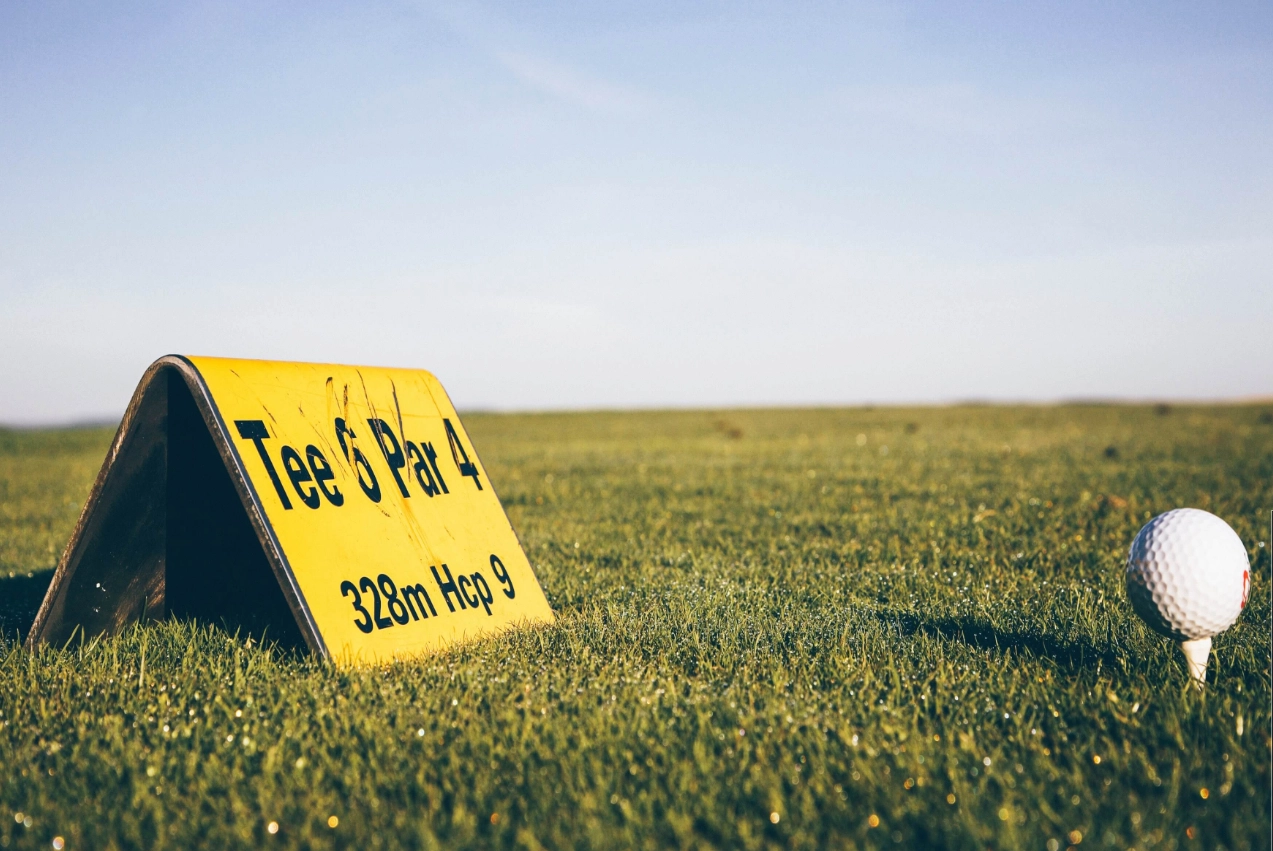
pixel 642 205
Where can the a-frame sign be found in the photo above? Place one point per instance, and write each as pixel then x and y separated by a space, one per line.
pixel 338 507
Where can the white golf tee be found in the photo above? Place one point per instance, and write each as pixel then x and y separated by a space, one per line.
pixel 1196 653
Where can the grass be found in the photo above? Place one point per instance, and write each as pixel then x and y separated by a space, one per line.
pixel 798 628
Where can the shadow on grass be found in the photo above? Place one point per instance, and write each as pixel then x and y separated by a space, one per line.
pixel 20 598
pixel 1071 655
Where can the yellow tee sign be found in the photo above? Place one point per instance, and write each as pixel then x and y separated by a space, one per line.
pixel 366 497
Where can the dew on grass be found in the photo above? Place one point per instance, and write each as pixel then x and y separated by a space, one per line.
pixel 757 626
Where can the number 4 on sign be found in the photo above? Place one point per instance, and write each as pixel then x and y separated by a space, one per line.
pixel 466 467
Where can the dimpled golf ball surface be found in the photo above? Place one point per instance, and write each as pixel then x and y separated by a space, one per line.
pixel 1187 574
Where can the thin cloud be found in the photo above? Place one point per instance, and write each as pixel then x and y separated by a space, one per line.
pixel 493 35
pixel 574 86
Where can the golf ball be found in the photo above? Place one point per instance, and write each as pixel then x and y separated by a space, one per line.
pixel 1188 574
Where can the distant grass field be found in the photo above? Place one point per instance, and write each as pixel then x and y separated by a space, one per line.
pixel 854 628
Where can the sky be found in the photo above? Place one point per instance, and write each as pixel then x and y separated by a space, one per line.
pixel 641 205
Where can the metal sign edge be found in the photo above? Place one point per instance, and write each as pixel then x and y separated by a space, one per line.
pixel 274 552
pixel 57 585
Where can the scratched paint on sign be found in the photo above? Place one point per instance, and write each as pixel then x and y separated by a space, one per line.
pixel 388 521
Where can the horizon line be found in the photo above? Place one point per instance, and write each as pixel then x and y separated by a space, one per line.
pixel 111 421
